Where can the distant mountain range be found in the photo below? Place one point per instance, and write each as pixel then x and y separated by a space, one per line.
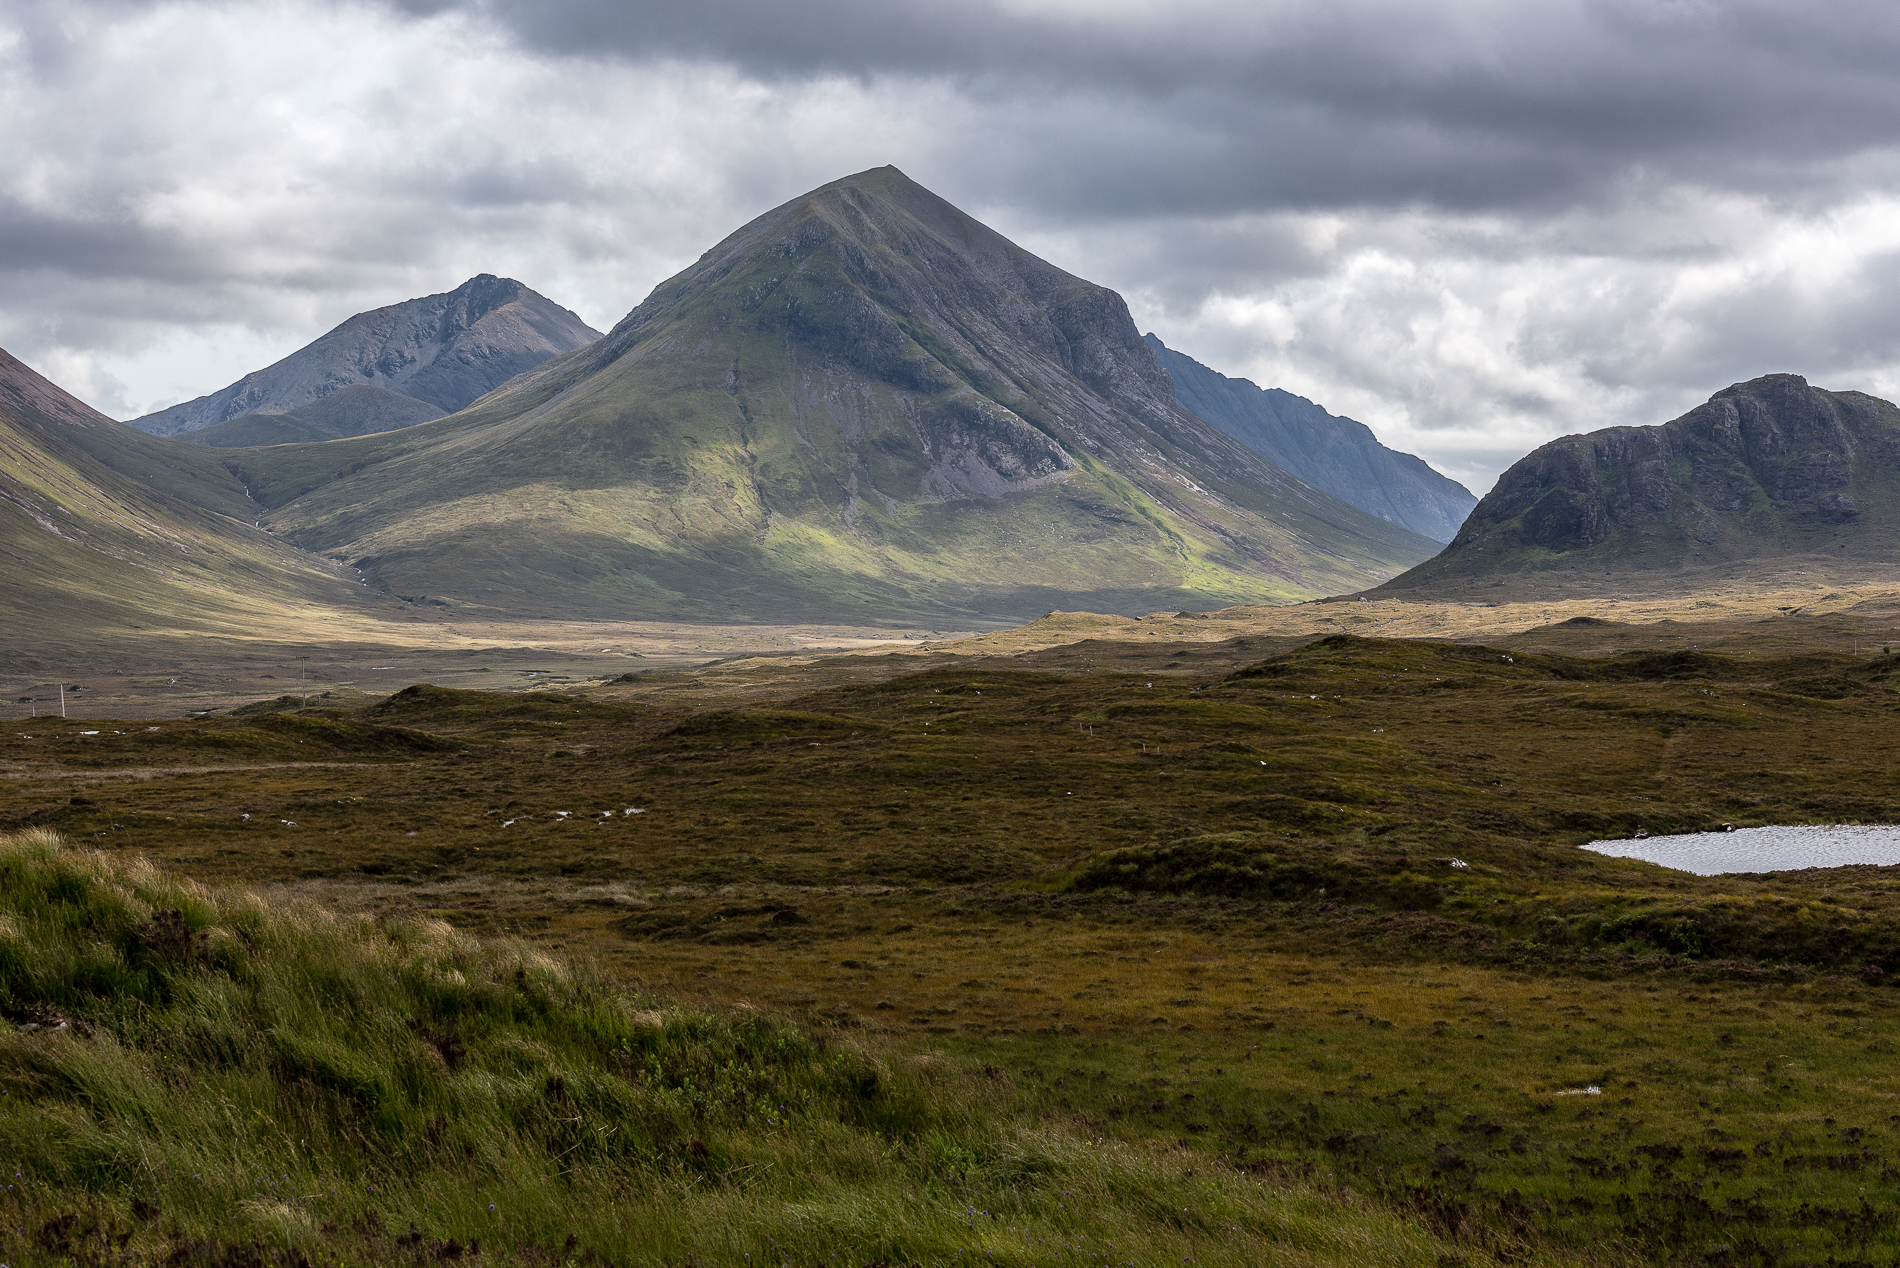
pixel 864 403
pixel 1337 454
pixel 424 357
pixel 1768 471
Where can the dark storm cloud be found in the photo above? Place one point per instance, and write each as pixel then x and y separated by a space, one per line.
pixel 1457 106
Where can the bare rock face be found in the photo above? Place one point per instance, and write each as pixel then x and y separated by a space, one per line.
pixel 1771 468
pixel 978 447
pixel 445 351
pixel 1339 455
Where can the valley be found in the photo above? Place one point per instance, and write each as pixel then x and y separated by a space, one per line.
pixel 1172 671
pixel 508 777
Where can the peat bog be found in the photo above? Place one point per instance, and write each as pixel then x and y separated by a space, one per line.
pixel 1318 916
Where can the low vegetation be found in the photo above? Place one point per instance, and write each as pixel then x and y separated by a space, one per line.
pixel 1299 926
pixel 192 1075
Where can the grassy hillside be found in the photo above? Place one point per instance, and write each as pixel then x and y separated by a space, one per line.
pixel 196 1075
pixel 90 549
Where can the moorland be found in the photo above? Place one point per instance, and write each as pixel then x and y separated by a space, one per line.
pixel 1263 935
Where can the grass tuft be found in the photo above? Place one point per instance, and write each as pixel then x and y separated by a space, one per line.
pixel 190 1073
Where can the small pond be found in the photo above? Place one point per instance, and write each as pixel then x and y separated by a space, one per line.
pixel 1763 849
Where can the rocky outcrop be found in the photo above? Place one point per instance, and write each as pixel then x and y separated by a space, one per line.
pixel 445 351
pixel 1768 468
pixel 1337 454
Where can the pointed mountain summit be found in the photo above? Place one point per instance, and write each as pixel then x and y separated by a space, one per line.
pixel 1771 475
pixel 432 356
pixel 1339 455
pixel 862 403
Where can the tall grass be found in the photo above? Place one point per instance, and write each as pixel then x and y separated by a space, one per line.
pixel 190 1072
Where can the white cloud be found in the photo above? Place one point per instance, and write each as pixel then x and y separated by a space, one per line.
pixel 208 189
pixel 1472 340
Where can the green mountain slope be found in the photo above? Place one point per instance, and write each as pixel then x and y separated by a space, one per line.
pixel 88 549
pixel 1769 472
pixel 863 403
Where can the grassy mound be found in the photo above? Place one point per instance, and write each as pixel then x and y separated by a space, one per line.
pixel 1245 865
pixel 1739 921
pixel 195 1075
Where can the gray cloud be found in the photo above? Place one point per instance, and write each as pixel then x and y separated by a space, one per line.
pixel 1472 225
pixel 1458 106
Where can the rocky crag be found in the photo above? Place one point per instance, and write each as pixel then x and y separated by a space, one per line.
pixel 1769 474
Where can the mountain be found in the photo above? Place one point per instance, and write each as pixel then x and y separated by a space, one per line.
pixel 1768 473
pixel 863 402
pixel 90 551
pixel 1337 454
pixel 357 410
pixel 443 350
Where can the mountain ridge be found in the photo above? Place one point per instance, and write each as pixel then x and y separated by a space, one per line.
pixel 1340 455
pixel 446 350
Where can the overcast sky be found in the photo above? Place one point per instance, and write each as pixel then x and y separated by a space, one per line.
pixel 1473 226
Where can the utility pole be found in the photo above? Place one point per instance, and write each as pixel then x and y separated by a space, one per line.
pixel 303 681
pixel 62 700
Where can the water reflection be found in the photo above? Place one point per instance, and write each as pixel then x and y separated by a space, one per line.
pixel 1775 849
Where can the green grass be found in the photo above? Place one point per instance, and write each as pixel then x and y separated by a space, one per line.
pixel 1752 1118
pixel 192 1073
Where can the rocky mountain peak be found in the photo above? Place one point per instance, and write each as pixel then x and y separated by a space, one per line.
pixel 882 243
pixel 445 350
